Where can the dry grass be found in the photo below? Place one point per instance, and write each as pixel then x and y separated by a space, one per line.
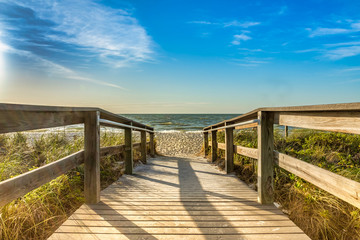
pixel 37 214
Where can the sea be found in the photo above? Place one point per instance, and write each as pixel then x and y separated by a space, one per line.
pixel 179 122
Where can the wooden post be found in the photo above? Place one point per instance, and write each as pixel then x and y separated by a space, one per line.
pixel 286 131
pixel 266 158
pixel 213 146
pixel 143 146
pixel 92 158
pixel 229 150
pixel 128 151
pixel 206 143
pixel 152 145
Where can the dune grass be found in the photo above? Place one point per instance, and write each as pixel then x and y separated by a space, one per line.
pixel 37 214
pixel 319 214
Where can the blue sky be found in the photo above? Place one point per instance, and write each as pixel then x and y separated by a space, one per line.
pixel 179 56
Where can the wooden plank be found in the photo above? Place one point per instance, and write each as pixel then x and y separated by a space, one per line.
pixel 129 162
pixel 92 158
pixel 111 150
pixel 251 125
pixel 286 131
pixel 49 110
pixel 341 187
pixel 213 146
pixel 343 107
pixel 346 122
pixel 229 150
pixel 15 121
pixel 245 151
pixel 143 146
pixel 152 145
pixel 206 143
pixel 180 224
pixel 178 198
pixel 221 146
pixel 18 186
pixel 266 158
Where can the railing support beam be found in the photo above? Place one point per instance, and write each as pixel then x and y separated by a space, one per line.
pixel 92 158
pixel 206 143
pixel 143 146
pixel 229 150
pixel 213 146
pixel 152 145
pixel 266 157
pixel 129 162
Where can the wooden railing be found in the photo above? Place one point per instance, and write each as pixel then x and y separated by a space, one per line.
pixel 15 118
pixel 334 117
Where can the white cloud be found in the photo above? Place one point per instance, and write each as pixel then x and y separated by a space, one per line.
pixel 321 31
pixel 328 31
pixel 250 61
pixel 234 23
pixel 342 52
pixel 115 36
pixel 57 69
pixel 240 37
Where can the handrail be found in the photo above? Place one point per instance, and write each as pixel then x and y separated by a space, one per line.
pixel 331 117
pixel 233 125
pixel 16 117
pixel 341 107
pixel 115 124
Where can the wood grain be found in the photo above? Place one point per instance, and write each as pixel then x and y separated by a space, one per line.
pixel 20 185
pixel 206 143
pixel 266 158
pixel 15 121
pixel 143 146
pixel 229 150
pixel 129 162
pixel 341 187
pixel 92 158
pixel 346 122
pixel 214 145
pixel 245 151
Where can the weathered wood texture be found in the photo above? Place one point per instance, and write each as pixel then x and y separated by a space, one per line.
pixel 343 107
pixel 92 158
pixel 143 146
pixel 18 186
pixel 247 152
pixel 346 122
pixel 206 143
pixel 229 150
pixel 16 121
pixel 129 162
pixel 178 198
pixel 286 131
pixel 214 144
pixel 266 158
pixel 342 187
pixel 251 125
pixel 152 145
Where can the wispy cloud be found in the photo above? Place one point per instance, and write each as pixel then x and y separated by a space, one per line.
pixel 112 34
pixel 250 61
pixel 238 38
pixel 342 52
pixel 324 31
pixel 54 68
pixel 234 23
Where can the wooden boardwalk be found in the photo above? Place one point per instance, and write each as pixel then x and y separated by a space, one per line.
pixel 178 198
